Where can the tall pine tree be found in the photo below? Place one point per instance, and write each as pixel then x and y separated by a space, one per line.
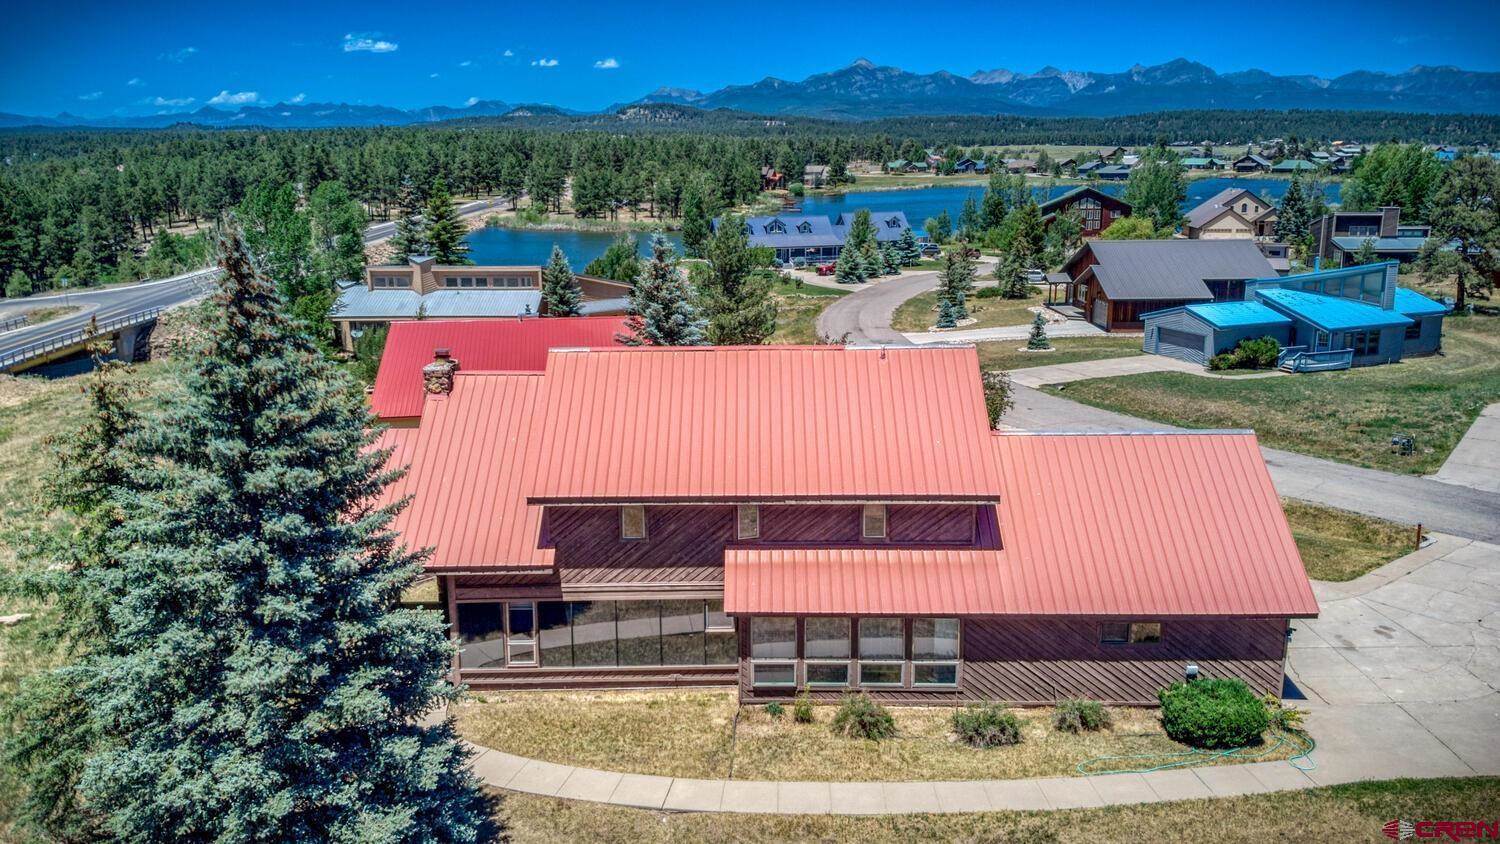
pixel 736 300
pixel 908 250
pixel 955 283
pixel 695 218
pixel 1292 218
pixel 445 232
pixel 561 294
pixel 261 682
pixel 410 240
pixel 662 312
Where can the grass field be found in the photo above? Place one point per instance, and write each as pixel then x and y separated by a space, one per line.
pixel 1339 545
pixel 1348 416
pixel 797 311
pixel 1007 354
pixel 920 312
pixel 1354 812
pixel 696 734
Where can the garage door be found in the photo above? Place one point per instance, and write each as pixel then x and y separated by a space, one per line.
pixel 1184 345
pixel 1101 313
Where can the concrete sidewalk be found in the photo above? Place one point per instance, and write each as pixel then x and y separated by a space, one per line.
pixel 1068 328
pixel 1475 461
pixel 1062 373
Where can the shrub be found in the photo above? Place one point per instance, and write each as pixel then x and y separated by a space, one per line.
pixel 1281 716
pixel 802 709
pixel 1213 714
pixel 986 726
pixel 775 710
pixel 988 293
pixel 859 716
pixel 796 189
pixel 1077 716
pixel 1249 354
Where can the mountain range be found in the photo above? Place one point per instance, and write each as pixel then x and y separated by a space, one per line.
pixel 865 90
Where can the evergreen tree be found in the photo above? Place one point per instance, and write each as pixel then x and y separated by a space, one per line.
pixel 947 313
pixel 662 312
pixel 337 225
pixel 890 260
pixel 1037 340
pixel 907 250
pixel 410 239
pixel 620 261
pixel 939 229
pixel 562 296
pixel 956 281
pixel 18 285
pixel 1466 213
pixel 970 223
pixel 1156 190
pixel 861 231
pixel 1365 254
pixel 869 259
pixel 1292 218
pixel 445 232
pixel 1064 236
pixel 695 219
pixel 849 269
pixel 737 302
pixel 260 681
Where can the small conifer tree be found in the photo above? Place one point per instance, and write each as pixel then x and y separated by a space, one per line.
pixel 561 294
pixel 1038 341
pixel 910 253
pixel 662 312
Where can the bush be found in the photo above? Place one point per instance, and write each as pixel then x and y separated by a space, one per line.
pixel 988 293
pixel 1213 714
pixel 802 709
pixel 1077 716
pixel 1249 354
pixel 775 710
pixel 796 189
pixel 1283 717
pixel 859 716
pixel 986 726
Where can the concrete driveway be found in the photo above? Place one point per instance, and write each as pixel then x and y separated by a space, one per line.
pixel 1475 461
pixel 1401 672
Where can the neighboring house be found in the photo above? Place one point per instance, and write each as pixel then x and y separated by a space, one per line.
pixel 816 238
pixel 1231 213
pixel 1199 163
pixel 1293 165
pixel 422 289
pixel 1333 319
pixel 1113 172
pixel 1446 153
pixel 970 165
pixel 1279 254
pixel 815 175
pixel 1341 234
pixel 1020 165
pixel 488 345
pixel 771 178
pixel 900 165
pixel 1095 208
pixel 1068 164
pixel 1088 167
pixel 1111 154
pixel 640 517
pixel 1251 163
pixel 1115 281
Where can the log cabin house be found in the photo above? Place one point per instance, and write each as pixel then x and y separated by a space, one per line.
pixel 831 519
pixel 1114 282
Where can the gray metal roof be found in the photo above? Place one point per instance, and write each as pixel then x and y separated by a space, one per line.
pixel 360 302
pixel 1217 204
pixel 1172 269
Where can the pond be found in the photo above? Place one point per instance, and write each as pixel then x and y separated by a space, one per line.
pixel 494 246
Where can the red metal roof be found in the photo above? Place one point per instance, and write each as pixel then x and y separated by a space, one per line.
pixel 488 345
pixel 766 422
pixel 468 471
pixel 1097 524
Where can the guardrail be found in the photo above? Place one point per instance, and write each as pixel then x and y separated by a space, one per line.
pixel 14 322
pixel 1305 361
pixel 75 337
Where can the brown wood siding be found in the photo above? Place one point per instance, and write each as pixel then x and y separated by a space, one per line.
pixel 600 678
pixel 1039 661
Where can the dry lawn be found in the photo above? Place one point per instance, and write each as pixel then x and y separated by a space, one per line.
pixel 695 734
pixel 919 313
pixel 1353 812
pixel 1008 354
pixel 1339 545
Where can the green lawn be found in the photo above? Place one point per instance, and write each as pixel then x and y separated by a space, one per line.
pixel 920 312
pixel 1339 545
pixel 1348 416
pixel 1007 354
pixel 797 311
pixel 1353 812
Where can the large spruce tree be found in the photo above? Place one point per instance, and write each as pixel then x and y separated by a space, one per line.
pixel 445 232
pixel 737 301
pixel 260 682
pixel 662 312
pixel 561 294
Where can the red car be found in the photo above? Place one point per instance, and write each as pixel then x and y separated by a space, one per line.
pixel 825 269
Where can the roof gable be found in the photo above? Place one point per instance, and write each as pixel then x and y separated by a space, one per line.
pixel 1171 269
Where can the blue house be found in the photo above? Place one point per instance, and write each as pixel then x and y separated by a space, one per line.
pixel 1334 319
pixel 816 238
pixel 970 165
pixel 1446 153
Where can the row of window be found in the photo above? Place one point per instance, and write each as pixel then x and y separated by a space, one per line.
pixel 747 521
pixel 390 281
pixel 508 281
pixel 891 653
pixel 1363 342
pixel 594 634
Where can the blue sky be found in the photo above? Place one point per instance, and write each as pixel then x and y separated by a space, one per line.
pixel 93 58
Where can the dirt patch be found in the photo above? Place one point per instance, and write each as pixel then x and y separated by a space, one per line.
pixel 15 391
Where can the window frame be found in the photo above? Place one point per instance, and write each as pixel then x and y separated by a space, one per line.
pixel 847 661
pixel 865 514
pixel 1133 633
pixel 740 512
pixel 777 661
pixel 624 533
pixel 900 662
pixel 956 661
pixel 529 640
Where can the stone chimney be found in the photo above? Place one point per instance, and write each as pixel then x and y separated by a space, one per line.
pixel 437 377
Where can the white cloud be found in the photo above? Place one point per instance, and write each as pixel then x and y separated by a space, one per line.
pixel 544 63
pixel 432 76
pixel 91 96
pixel 240 98
pixel 607 64
pixel 135 82
pixel 179 55
pixel 162 102
pixel 471 101
pixel 465 64
pixel 368 42
pixel 507 54
pixel 297 99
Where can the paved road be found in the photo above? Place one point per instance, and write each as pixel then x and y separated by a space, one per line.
pixel 864 316
pixel 1459 510
pixel 105 303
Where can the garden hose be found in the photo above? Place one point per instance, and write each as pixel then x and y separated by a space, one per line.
pixel 1189 758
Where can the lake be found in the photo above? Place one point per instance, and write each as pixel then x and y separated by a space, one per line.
pixel 509 247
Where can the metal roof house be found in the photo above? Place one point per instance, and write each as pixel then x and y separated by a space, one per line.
pixel 815 237
pixel 1251 163
pixel 916 556
pixel 1231 213
pixel 1114 282
pixel 1341 234
pixel 1332 319
pixel 1293 165
pixel 1096 209
pixel 970 165
pixel 424 289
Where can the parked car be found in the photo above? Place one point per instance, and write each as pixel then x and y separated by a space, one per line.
pixel 825 269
